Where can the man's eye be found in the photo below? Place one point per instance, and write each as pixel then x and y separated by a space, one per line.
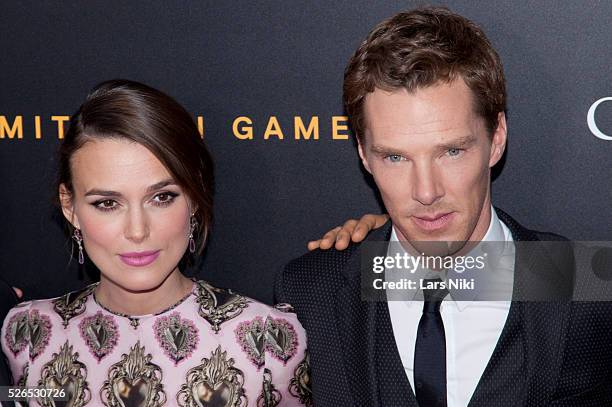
pixel 453 152
pixel 394 158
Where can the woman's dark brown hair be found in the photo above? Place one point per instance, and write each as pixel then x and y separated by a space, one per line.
pixel 420 48
pixel 122 109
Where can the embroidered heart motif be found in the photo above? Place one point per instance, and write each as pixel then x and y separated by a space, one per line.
pixel 281 339
pixel 100 333
pixel 17 332
pixel 220 395
pixel 251 337
pixel 132 393
pixel 67 383
pixel 134 381
pixel 178 337
pixel 35 333
pixel 39 330
pixel 256 342
pixel 214 382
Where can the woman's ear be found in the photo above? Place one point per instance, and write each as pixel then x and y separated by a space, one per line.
pixel 193 208
pixel 67 203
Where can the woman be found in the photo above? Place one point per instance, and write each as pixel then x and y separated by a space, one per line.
pixel 135 184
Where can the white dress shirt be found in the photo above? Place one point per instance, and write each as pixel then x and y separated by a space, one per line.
pixel 472 326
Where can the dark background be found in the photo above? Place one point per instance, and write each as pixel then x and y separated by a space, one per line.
pixel 260 59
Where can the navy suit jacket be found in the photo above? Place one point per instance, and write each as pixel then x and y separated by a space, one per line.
pixel 550 353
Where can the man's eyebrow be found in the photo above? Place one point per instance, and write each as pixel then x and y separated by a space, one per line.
pixel 377 149
pixel 460 142
pixel 151 188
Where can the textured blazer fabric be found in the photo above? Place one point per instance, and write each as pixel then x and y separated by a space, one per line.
pixel 554 352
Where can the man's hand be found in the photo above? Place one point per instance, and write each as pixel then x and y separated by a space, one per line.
pixel 354 230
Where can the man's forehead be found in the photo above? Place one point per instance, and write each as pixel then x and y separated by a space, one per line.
pixel 443 109
pixel 437 92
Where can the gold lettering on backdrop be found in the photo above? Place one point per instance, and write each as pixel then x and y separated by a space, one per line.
pixel 245 132
pixel 60 125
pixel 299 128
pixel 273 129
pixel 37 127
pixel 201 126
pixel 305 128
pixel 337 127
pixel 10 131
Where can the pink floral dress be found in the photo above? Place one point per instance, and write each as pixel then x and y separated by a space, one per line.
pixel 212 348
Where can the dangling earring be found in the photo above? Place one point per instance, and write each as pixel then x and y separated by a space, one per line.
pixel 79 239
pixel 193 224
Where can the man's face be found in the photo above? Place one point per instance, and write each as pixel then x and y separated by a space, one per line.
pixel 430 155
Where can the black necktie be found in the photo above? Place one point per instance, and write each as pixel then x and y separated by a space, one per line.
pixel 430 351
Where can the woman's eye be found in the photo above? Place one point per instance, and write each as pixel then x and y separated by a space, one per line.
pixel 106 205
pixel 164 198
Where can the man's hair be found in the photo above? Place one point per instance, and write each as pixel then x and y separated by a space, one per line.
pixel 420 48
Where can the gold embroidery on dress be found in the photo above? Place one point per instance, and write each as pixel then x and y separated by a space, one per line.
pixel 134 381
pixel 24 376
pixel 134 322
pixel 217 305
pixel 299 386
pixel 65 371
pixel 22 382
pixel 215 382
pixel 17 332
pixel 72 304
pixel 269 397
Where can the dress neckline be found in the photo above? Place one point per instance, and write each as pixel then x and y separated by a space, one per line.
pixel 133 318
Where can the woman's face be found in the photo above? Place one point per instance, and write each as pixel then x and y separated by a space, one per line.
pixel 133 217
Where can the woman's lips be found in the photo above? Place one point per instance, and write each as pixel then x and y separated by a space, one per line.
pixel 139 259
pixel 435 222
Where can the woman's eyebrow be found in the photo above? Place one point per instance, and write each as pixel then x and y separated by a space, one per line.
pixel 151 188
pixel 161 184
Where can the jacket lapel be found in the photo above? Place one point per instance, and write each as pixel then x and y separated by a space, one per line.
pixel 528 354
pixel 393 385
pixel 374 370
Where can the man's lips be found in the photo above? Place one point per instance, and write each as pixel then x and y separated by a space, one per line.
pixel 139 259
pixel 433 222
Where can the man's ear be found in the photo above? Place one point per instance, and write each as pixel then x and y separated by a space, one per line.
pixel 362 155
pixel 498 142
pixel 65 198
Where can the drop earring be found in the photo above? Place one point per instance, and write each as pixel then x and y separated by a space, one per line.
pixel 193 224
pixel 78 238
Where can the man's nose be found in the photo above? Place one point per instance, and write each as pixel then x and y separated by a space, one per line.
pixel 427 186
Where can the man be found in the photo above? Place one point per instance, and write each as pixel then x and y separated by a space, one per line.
pixel 426 96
